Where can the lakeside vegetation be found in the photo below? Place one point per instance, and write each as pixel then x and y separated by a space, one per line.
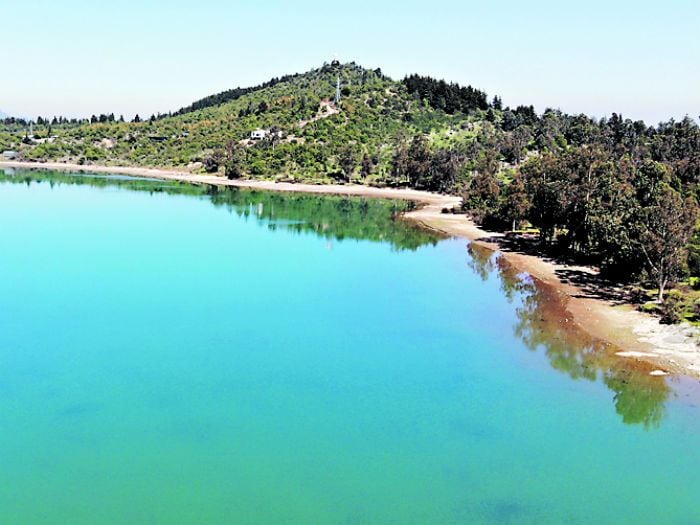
pixel 613 193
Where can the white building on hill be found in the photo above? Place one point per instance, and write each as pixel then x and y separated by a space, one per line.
pixel 259 134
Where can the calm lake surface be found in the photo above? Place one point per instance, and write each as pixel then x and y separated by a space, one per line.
pixel 173 355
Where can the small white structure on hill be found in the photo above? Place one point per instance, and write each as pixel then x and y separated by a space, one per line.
pixel 259 134
pixel 10 155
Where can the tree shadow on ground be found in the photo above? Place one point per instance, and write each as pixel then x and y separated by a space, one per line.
pixel 591 284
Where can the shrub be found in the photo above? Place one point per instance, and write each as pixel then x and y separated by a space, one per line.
pixel 637 295
pixel 672 308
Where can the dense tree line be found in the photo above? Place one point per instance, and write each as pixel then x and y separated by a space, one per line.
pixel 417 165
pixel 448 97
pixel 615 192
pixel 232 94
pixel 11 123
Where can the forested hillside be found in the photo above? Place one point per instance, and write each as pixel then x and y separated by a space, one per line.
pixel 309 137
pixel 615 193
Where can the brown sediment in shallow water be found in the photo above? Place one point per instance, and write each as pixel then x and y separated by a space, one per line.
pixel 592 309
pixel 572 299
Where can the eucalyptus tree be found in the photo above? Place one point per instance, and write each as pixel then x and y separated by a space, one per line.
pixel 666 225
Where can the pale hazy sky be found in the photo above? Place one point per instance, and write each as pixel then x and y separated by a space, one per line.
pixel 77 57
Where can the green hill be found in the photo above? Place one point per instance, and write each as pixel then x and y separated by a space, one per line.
pixel 310 138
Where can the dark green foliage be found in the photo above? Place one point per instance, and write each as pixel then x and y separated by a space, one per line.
pixel 694 254
pixel 515 203
pixel 234 162
pixel 213 161
pixel 671 309
pixel 348 161
pixel 449 98
pixel 420 166
pixel 664 226
pixel 366 169
pixel 231 94
pixel 482 196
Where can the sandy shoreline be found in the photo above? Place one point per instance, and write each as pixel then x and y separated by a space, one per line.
pixel 184 176
pixel 638 336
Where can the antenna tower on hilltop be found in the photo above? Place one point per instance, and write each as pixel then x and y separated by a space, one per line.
pixel 337 92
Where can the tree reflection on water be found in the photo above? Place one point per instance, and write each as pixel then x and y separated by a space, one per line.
pixel 544 324
pixel 329 216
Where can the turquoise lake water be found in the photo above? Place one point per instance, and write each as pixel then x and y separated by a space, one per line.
pixel 174 356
